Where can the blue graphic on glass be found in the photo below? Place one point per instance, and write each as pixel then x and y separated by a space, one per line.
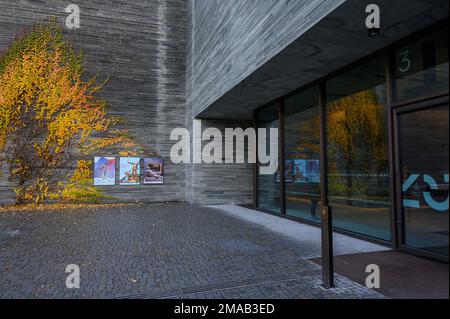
pixel 431 182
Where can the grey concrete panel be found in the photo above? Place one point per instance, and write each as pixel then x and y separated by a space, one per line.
pixel 141 46
pixel 337 40
pixel 232 39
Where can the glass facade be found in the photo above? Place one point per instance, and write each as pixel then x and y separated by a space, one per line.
pixel 302 154
pixel 361 148
pixel 424 155
pixel 423 143
pixel 268 184
pixel 357 151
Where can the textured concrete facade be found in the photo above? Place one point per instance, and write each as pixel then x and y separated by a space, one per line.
pixel 244 54
pixel 231 39
pixel 228 41
pixel 333 42
pixel 141 46
pixel 219 183
pixel 170 60
pixel 166 61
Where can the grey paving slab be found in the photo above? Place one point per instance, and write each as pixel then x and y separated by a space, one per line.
pixel 156 251
pixel 305 235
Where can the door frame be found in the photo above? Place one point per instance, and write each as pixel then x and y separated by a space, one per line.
pixel 397 111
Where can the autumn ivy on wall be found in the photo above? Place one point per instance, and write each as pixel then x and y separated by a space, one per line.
pixel 52 119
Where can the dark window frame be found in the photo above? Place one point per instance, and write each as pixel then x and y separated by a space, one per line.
pixel 389 61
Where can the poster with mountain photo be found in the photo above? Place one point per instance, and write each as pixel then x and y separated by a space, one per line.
pixel 153 170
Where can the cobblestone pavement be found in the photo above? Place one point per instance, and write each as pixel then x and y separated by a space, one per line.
pixel 156 251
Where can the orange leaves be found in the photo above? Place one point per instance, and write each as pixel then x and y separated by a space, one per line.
pixel 80 188
pixel 126 143
pixel 49 115
pixel 63 207
pixel 358 118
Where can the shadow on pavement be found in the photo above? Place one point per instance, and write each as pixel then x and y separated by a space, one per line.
pixel 402 276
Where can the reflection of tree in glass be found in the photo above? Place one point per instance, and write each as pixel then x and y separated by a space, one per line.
pixel 307 147
pixel 308 139
pixel 356 127
pixel 356 135
pixel 357 144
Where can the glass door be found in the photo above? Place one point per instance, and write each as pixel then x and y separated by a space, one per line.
pixel 422 150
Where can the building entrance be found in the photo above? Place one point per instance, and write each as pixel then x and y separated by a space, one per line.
pixel 422 167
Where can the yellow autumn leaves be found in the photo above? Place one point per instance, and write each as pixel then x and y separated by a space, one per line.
pixel 50 118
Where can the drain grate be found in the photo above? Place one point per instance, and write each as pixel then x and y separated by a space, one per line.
pixel 153 295
pixel 306 273
pixel 175 293
pixel 205 288
pixel 269 279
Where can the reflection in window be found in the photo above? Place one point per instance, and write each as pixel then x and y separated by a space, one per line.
pixel 421 67
pixel 268 185
pixel 424 153
pixel 302 153
pixel 357 152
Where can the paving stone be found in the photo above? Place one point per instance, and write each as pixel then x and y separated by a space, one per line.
pixel 156 251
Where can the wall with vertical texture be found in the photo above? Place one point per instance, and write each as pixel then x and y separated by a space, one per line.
pixel 231 39
pixel 141 46
pixel 228 41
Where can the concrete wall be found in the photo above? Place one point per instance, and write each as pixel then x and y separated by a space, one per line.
pixel 167 61
pixel 141 46
pixel 231 39
pixel 337 40
pixel 219 183
pixel 228 40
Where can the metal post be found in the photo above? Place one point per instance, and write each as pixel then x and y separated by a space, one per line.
pixel 326 211
pixel 327 248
